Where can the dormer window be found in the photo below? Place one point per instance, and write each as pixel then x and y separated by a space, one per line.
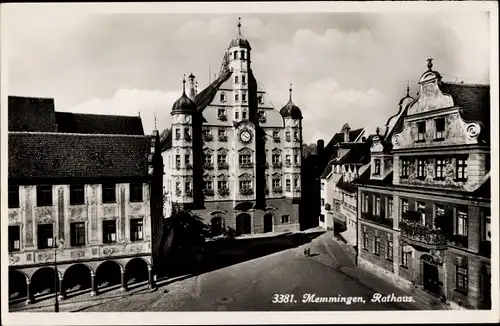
pixel 221 112
pixel 235 55
pixel 421 131
pixel 440 126
pixel 236 115
pixel 260 99
pixel 177 133
pixel 236 97
pixel 223 97
pixel 236 80
pixel 376 171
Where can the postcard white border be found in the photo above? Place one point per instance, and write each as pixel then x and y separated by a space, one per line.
pixel 191 318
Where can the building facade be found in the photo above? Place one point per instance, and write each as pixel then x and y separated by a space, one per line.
pixel 79 201
pixel 424 213
pixel 230 156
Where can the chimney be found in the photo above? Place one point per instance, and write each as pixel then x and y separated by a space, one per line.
pixel 345 130
pixel 320 147
pixel 192 87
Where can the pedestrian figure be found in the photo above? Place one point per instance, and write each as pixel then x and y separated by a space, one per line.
pixel 307 252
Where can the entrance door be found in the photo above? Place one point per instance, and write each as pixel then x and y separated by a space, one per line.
pixel 216 226
pixel 243 224
pixel 268 223
pixel 431 278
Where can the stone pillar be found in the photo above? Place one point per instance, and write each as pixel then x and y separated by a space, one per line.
pixel 151 282
pixel 29 296
pixel 93 287
pixel 124 281
pixel 62 292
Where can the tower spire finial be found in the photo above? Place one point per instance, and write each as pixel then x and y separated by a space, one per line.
pixel 184 83
pixel 408 88
pixel 290 91
pixel 239 26
pixel 429 63
pixel 155 117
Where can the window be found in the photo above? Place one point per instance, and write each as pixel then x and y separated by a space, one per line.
pixel 244 116
pixel 421 210
pixel 377 167
pixel 405 257
pixel 245 158
pixel 235 55
pixel 486 229
pixel 207 158
pixel 321 217
pixel 296 135
pixel 45 236
pixel 420 169
pixel 285 218
pixel 405 167
pixel 44 195
pixel 109 193
pixel 77 234
pixel 177 133
pixel 13 196
pixel 187 133
pixel 404 205
pixel 276 183
pixel 337 207
pixel 440 128
pixel 296 183
pixel 462 222
pixel 236 115
pixel 288 159
pixel 109 231
pixel 187 158
pixel 322 202
pixel 236 80
pixel 421 131
pixel 243 77
pixel 438 213
pixel 178 161
pixel 244 97
pixel 136 192
pixel 276 158
pixel 221 158
pixel 245 184
pixel 296 158
pixel 208 185
pixel 260 99
pixel 461 169
pixel 242 55
pixel 287 134
pixel 390 204
pixel 222 132
pixel 389 252
pixel 187 186
pixel 222 98
pixel 178 186
pixel 462 279
pixel 276 134
pixel 136 233
pixel 376 206
pixel 366 203
pixel 206 132
pixel 440 169
pixel 288 184
pixel 222 184
pixel 14 238
pixel 76 195
pixel 236 97
pixel 376 247
pixel 322 186
pixel 365 240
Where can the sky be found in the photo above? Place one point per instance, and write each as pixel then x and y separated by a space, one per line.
pixel 344 67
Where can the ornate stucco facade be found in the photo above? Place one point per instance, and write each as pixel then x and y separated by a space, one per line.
pixel 230 156
pixel 424 213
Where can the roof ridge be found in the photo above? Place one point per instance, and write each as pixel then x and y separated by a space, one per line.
pixel 75 134
pixel 102 115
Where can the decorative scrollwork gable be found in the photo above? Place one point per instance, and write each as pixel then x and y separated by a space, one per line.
pixel 276 151
pixel 222 151
pixel 246 151
pixel 245 176
pixel 223 177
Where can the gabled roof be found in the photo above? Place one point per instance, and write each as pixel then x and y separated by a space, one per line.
pixel 59 155
pixel 354 156
pixel 31 114
pixel 347 186
pixel 81 123
pixel 206 96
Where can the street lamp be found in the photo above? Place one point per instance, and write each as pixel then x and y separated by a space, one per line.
pixel 59 244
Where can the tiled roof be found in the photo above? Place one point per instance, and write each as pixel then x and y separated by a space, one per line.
pixel 364 179
pixel 31 114
pixel 474 101
pixel 81 123
pixel 327 171
pixel 205 97
pixel 355 156
pixel 166 139
pixel 58 155
pixel 347 186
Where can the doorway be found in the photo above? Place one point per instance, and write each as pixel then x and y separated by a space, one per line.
pixel 431 278
pixel 268 223
pixel 243 224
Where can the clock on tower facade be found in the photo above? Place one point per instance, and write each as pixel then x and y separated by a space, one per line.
pixel 242 154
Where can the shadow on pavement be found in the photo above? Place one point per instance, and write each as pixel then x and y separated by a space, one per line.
pixel 225 252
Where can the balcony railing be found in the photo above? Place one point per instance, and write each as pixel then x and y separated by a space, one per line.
pixel 208 192
pixel 223 192
pixel 208 137
pixel 222 138
pixel 246 165
pixel 208 166
pixel 277 165
pixel 223 166
pixel 422 234
pixel 246 191
pixel 277 190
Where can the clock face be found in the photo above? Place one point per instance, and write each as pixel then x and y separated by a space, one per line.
pixel 246 136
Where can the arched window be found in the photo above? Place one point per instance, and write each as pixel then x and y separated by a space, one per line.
pixel 242 55
pixel 235 54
